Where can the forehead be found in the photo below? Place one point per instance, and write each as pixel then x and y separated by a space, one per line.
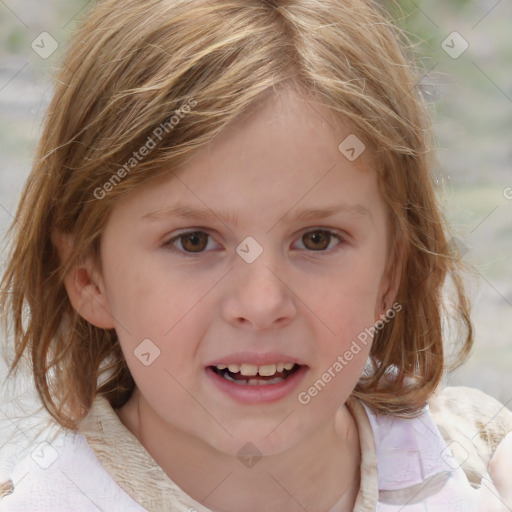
pixel 289 152
pixel 286 126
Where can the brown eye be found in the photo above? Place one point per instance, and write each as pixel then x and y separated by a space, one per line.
pixel 318 240
pixel 195 241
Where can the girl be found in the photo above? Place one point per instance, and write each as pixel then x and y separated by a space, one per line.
pixel 233 260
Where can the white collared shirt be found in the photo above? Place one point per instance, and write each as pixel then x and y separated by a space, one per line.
pixel 406 465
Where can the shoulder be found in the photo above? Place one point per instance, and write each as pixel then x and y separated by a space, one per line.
pixel 60 473
pixel 474 410
pixel 419 460
pixel 473 424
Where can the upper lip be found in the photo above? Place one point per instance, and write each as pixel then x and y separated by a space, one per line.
pixel 255 358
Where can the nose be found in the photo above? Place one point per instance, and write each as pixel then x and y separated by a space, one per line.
pixel 259 296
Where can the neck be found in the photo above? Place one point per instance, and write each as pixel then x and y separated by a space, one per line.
pixel 321 472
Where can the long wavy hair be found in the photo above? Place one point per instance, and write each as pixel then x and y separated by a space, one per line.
pixel 129 67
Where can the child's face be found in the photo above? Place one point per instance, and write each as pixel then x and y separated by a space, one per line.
pixel 292 304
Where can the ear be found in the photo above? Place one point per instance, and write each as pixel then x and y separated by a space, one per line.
pixel 391 278
pixel 84 285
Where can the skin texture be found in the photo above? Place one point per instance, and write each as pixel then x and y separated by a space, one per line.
pixel 496 495
pixel 196 308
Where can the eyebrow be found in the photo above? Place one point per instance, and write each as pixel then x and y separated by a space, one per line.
pixel 231 218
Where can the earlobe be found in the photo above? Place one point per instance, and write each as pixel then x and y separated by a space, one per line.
pixel 84 285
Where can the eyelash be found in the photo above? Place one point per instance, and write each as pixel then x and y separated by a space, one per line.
pixel 169 244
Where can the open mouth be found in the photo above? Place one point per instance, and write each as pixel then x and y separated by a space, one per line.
pixel 252 375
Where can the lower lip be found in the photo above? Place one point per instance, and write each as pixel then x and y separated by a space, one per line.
pixel 258 394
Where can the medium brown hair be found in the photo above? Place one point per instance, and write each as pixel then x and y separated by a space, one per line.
pixel 128 69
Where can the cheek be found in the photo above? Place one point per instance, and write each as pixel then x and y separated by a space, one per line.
pixel 344 306
pixel 344 301
pixel 164 364
pixel 149 299
pixel 160 319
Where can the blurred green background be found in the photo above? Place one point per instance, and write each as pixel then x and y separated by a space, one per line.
pixel 471 99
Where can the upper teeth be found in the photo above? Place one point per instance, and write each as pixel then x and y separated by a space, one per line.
pixel 249 370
